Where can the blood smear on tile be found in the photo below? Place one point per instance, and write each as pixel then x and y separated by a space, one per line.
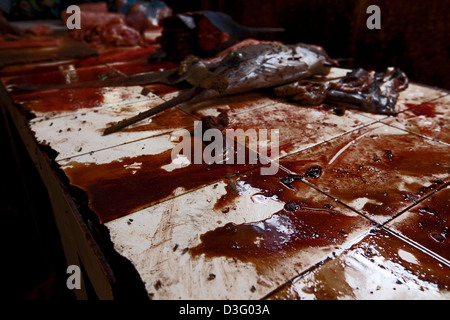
pixel 430 223
pixel 303 223
pixel 424 109
pixel 61 100
pixel 374 166
pixel 115 191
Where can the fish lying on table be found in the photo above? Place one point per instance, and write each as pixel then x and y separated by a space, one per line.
pixel 245 69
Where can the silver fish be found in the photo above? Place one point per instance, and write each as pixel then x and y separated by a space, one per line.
pixel 245 69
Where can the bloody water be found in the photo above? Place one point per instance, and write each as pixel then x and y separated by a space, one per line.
pixel 118 188
pixel 347 275
pixel 61 100
pixel 373 166
pixel 304 221
pixel 65 74
pixel 423 109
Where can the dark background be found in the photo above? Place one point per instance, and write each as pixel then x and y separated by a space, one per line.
pixel 414 36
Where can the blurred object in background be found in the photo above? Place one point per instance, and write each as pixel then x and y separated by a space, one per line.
pixel 135 24
pixel 34 9
pixel 93 14
pixel 204 33
pixel 144 15
pixel 7 30
pixel 5 6
pixel 413 34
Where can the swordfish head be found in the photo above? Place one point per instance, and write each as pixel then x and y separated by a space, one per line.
pixel 268 65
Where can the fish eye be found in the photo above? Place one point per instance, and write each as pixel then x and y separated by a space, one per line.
pixel 234 57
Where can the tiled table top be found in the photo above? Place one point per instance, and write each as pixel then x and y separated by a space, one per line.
pixel 373 223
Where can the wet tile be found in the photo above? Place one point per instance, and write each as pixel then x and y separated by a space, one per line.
pixel 17 70
pixel 79 132
pixel 428 224
pixel 380 267
pixel 51 103
pixel 429 119
pixel 126 178
pixel 377 170
pixel 64 74
pixel 299 127
pixel 234 239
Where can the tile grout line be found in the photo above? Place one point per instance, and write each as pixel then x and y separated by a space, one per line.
pixel 444 185
pixel 237 113
pixel 326 141
pixel 122 144
pixel 322 262
pixel 374 121
pixel 344 204
pixel 415 133
pixel 418 246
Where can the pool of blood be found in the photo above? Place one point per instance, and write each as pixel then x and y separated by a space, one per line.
pixel 61 100
pixel 59 77
pixel 118 188
pixel 430 223
pixel 424 109
pixel 304 222
pixel 111 56
pixel 373 167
